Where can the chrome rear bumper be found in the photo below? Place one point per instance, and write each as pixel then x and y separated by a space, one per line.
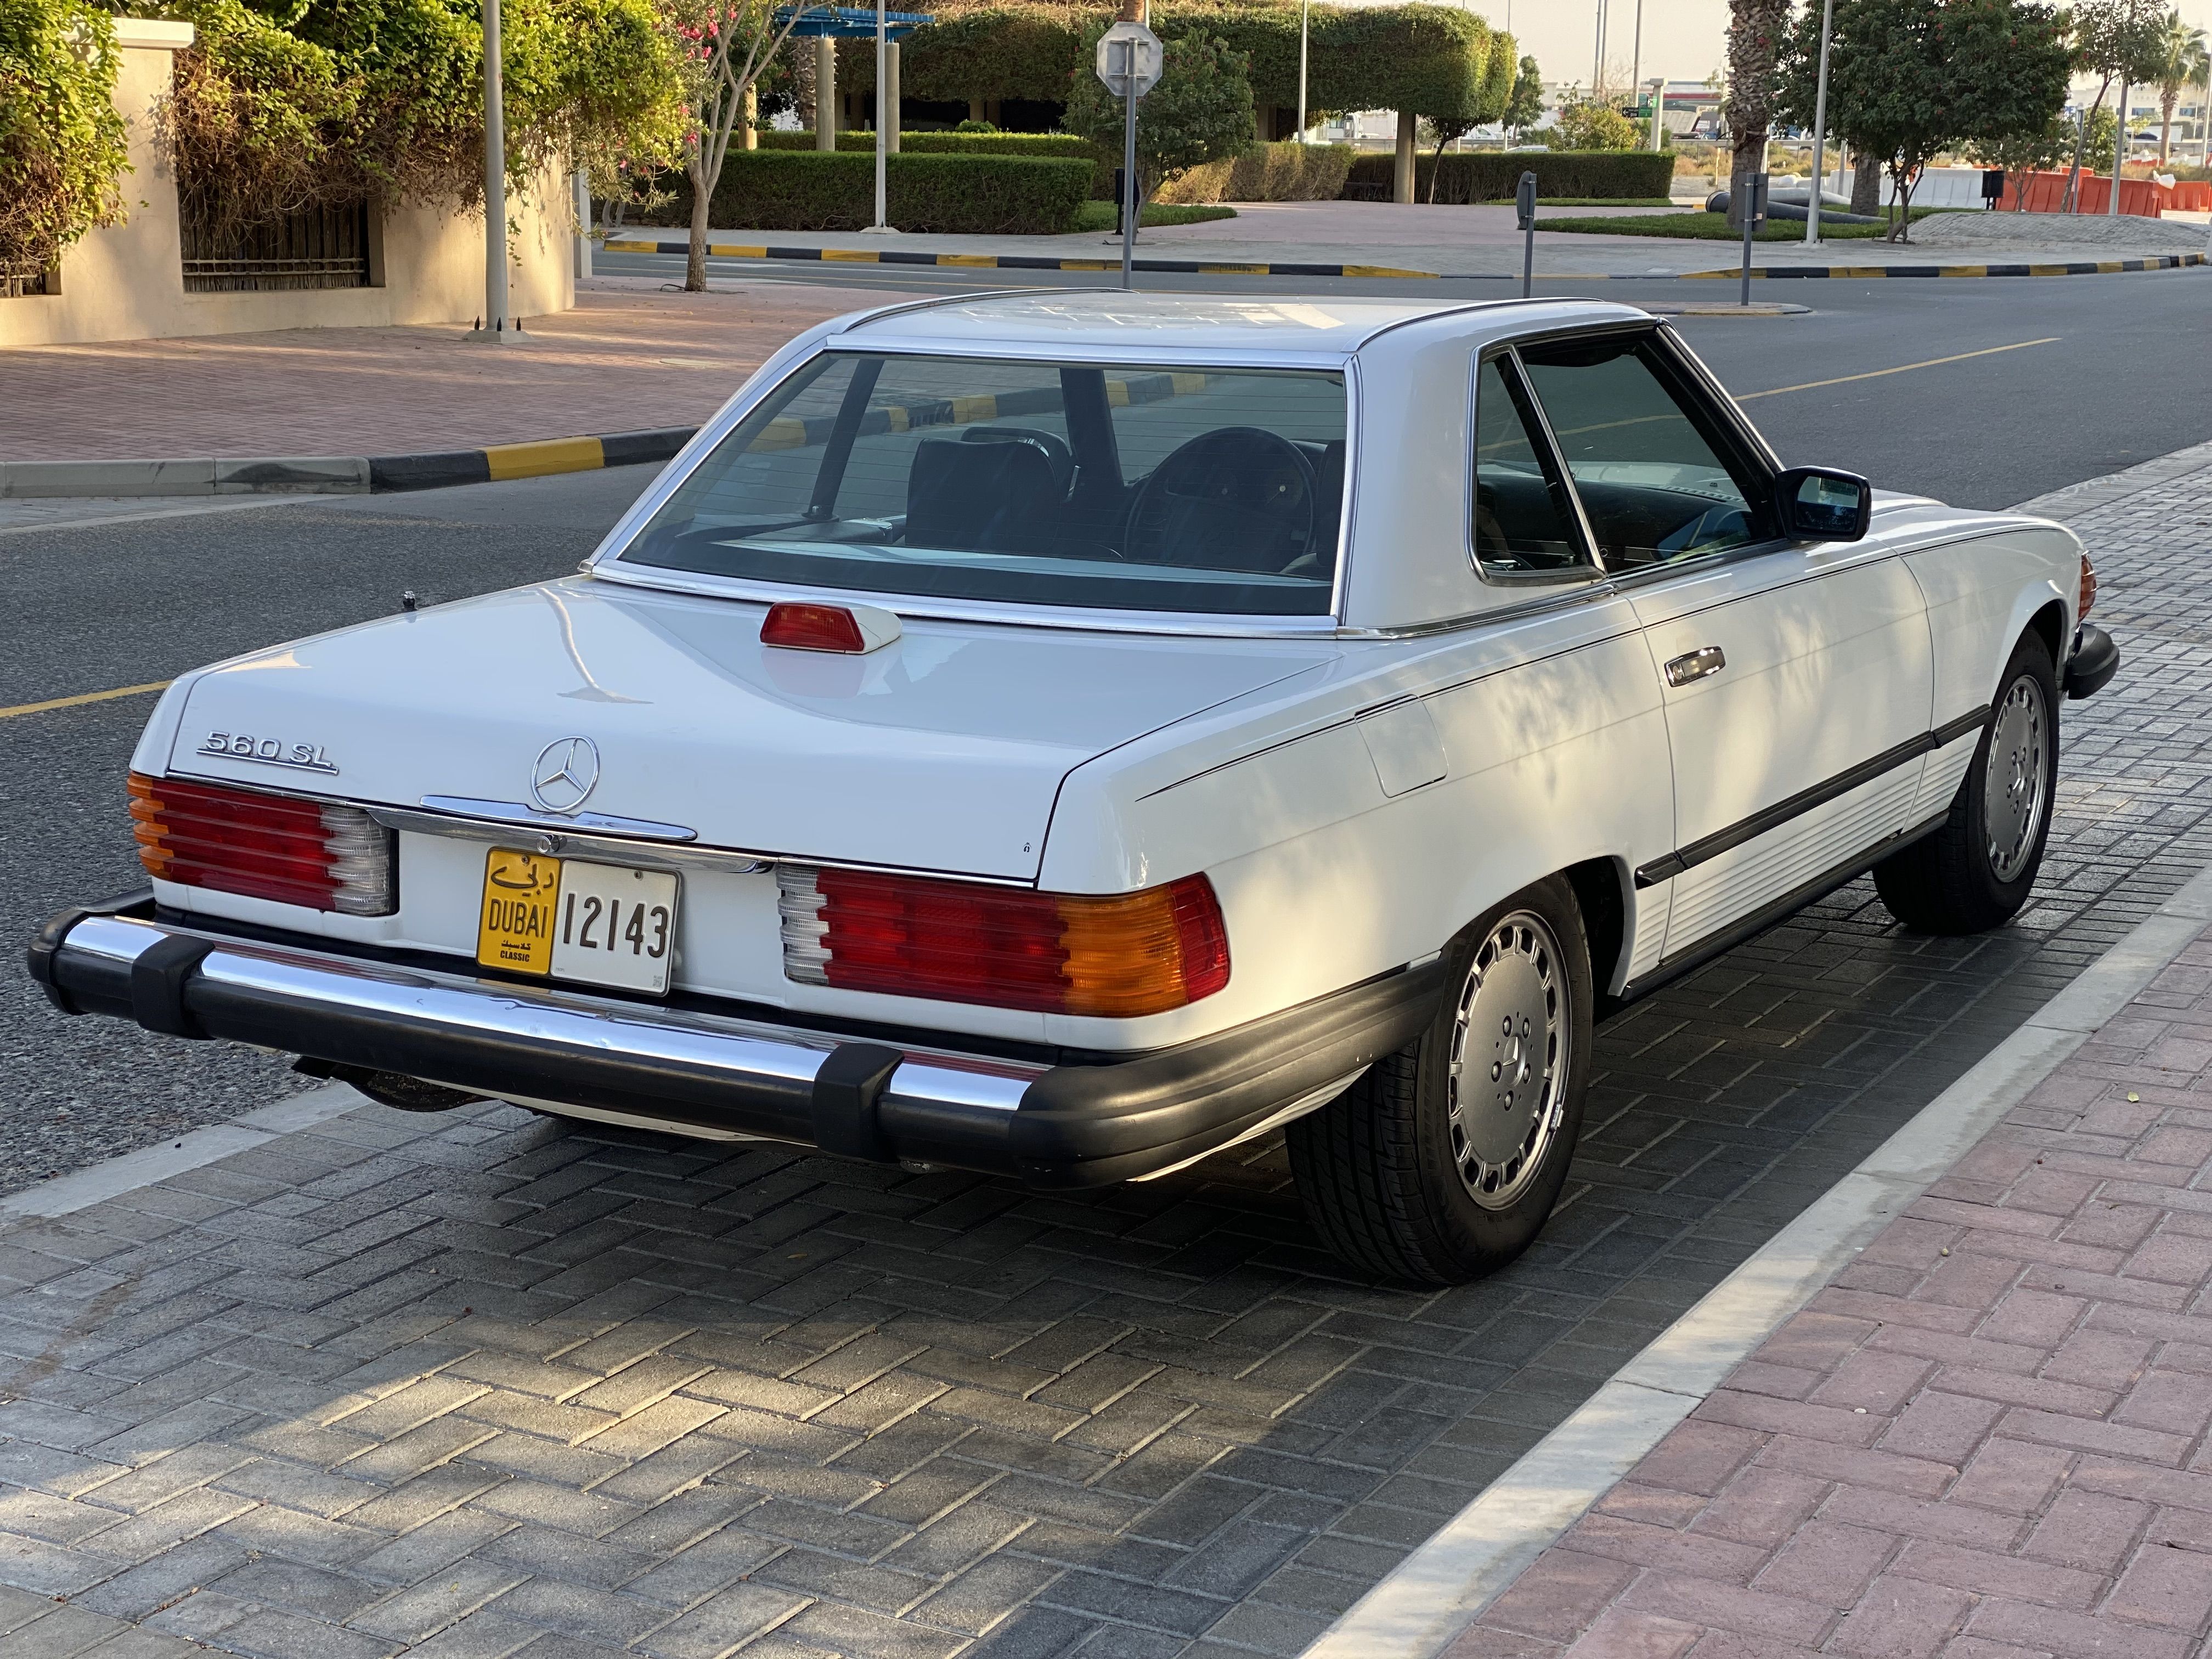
pixel 1069 1124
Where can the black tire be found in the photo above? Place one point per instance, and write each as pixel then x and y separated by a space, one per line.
pixel 1960 879
pixel 1379 1168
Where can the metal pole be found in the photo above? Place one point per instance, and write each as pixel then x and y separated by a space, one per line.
pixel 882 127
pixel 1303 7
pixel 1529 258
pixel 1636 53
pixel 2119 155
pixel 494 180
pixel 1820 129
pixel 1130 198
pixel 583 223
pixel 1750 218
pixel 1597 54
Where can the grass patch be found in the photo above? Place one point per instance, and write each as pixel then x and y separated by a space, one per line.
pixel 1103 215
pixel 1713 228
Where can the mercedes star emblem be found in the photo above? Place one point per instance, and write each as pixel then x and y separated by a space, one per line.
pixel 567 771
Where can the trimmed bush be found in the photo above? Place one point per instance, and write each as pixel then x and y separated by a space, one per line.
pixel 1492 176
pixel 945 143
pixel 1267 173
pixel 961 195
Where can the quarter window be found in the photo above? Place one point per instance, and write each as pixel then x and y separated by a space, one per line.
pixel 1658 475
pixel 1524 519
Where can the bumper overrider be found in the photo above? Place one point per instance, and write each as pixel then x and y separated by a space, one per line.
pixel 1067 1125
pixel 2092 663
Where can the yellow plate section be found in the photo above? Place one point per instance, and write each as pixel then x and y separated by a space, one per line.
pixel 514 929
pixel 633 247
pixel 983 261
pixel 1385 270
pixel 855 256
pixel 731 251
pixel 551 455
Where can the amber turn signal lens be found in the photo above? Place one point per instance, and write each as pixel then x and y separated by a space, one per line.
pixel 2088 589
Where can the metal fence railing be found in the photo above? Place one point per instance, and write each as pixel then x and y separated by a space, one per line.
pixel 318 247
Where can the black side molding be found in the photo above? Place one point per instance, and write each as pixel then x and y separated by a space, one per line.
pixel 2094 662
pixel 1774 817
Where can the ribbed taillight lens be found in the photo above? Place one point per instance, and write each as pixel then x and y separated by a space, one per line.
pixel 315 853
pixel 1066 953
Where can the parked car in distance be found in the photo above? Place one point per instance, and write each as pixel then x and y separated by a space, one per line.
pixel 1061 735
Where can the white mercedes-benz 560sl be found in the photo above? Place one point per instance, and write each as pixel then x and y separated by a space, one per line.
pixel 1065 734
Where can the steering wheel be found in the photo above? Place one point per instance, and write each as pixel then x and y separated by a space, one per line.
pixel 1236 498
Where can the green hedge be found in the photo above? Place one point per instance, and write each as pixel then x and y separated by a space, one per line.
pixel 969 195
pixel 1432 59
pixel 1266 173
pixel 945 143
pixel 1492 176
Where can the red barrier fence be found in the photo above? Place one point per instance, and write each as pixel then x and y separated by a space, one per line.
pixel 2145 197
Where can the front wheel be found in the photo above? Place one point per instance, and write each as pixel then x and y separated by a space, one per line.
pixel 1974 873
pixel 1442 1162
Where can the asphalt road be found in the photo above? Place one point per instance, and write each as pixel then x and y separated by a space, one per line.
pixel 2114 385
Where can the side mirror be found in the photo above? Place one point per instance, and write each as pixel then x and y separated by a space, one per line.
pixel 1819 504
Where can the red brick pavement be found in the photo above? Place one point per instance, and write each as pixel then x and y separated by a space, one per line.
pixel 621 360
pixel 1985 1439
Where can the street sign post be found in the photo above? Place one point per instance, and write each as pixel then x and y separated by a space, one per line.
pixel 1754 211
pixel 1130 59
pixel 1524 213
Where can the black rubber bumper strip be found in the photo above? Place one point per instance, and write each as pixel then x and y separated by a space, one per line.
pixel 2094 662
pixel 1077 1125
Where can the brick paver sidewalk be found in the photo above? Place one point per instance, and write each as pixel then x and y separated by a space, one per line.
pixel 620 361
pixel 1985 1439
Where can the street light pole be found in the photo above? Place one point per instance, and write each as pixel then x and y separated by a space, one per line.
pixel 1304 6
pixel 882 127
pixel 1597 54
pixel 2119 155
pixel 1636 53
pixel 494 180
pixel 1820 129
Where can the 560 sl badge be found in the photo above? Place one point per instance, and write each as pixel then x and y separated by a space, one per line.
pixel 268 751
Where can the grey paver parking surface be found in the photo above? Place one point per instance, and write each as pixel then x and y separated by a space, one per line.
pixel 486 1384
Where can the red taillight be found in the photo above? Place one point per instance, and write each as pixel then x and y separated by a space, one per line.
pixel 1121 955
pixel 309 853
pixel 2088 589
pixel 812 627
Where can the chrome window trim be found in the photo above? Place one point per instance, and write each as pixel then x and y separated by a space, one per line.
pixel 604 563
pixel 1594 570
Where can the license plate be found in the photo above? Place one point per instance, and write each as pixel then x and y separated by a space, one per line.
pixel 600 924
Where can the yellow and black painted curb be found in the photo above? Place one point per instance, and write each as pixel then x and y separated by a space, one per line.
pixel 1218 268
pixel 2071 267
pixel 890 255
pixel 526 460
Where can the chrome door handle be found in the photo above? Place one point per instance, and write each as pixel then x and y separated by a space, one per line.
pixel 1704 660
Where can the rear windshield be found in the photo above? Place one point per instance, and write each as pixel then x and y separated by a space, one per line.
pixel 1120 488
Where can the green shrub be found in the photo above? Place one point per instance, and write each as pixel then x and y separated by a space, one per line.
pixel 963 195
pixel 1492 176
pixel 945 143
pixel 1433 59
pixel 62 144
pixel 1267 173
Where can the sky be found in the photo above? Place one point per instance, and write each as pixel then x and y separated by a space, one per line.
pixel 1682 39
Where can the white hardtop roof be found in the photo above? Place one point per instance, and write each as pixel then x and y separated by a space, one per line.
pixel 1111 323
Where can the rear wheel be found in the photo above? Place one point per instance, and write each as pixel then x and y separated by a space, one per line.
pixel 1441 1163
pixel 1975 873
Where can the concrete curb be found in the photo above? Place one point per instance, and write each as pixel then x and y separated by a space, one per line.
pixel 338 475
pixel 1242 267
pixel 1439 1590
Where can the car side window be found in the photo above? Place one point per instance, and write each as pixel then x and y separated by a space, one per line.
pixel 1524 518
pixel 1659 478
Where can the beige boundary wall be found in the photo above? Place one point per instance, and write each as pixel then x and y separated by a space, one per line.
pixel 426 264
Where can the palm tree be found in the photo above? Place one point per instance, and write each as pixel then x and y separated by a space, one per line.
pixel 2182 59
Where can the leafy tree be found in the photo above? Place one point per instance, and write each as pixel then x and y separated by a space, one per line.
pixel 2026 150
pixel 2118 39
pixel 1908 78
pixel 2183 61
pixel 1755 33
pixel 1200 111
pixel 62 144
pixel 725 46
pixel 1592 124
pixel 1439 130
pixel 1525 106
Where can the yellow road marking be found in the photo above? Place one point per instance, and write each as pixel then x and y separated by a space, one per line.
pixel 1876 373
pixel 82 698
pixel 534 460
pixel 979 261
